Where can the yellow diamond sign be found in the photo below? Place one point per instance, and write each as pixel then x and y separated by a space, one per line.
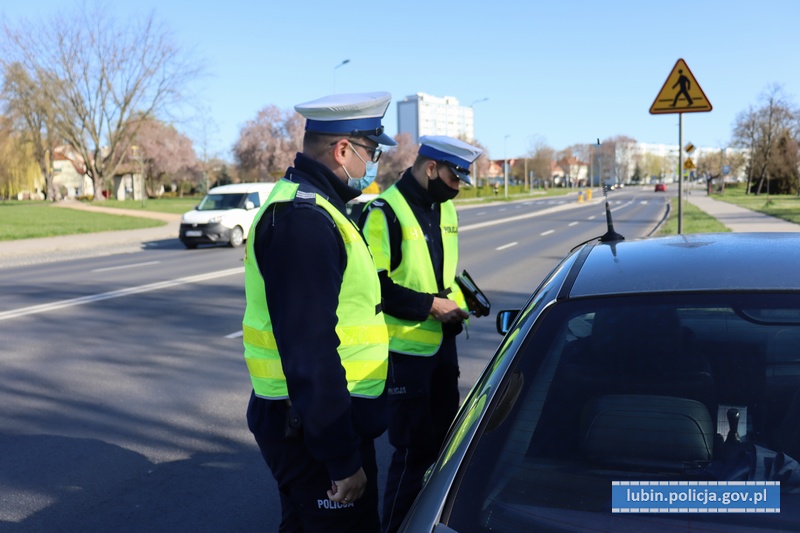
pixel 681 93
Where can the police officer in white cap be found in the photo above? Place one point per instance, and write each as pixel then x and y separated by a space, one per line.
pixel 412 231
pixel 315 339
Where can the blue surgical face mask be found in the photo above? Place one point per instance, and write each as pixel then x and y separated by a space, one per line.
pixel 369 175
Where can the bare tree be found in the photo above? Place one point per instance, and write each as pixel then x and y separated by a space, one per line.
pixel 582 152
pixel 97 73
pixel 267 145
pixel 542 159
pixel 204 129
pixel 766 131
pixel 710 164
pixel 396 160
pixel 480 168
pixel 623 157
pixel 167 154
pixel 617 158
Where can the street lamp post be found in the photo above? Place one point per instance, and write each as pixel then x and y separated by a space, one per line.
pixel 343 63
pixel 505 165
pixel 529 174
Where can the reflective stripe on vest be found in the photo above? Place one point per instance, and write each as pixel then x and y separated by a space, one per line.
pixel 415 270
pixel 363 337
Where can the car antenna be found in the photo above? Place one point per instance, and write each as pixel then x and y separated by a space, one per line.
pixel 610 235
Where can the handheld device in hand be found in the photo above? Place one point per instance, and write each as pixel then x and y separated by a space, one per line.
pixel 477 302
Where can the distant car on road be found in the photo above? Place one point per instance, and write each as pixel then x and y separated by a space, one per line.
pixel 664 361
pixel 225 215
pixel 661 187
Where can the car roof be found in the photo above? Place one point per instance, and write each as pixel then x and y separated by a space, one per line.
pixel 242 187
pixel 364 198
pixel 694 262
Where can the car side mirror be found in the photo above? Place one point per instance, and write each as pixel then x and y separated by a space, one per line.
pixel 505 319
pixel 249 205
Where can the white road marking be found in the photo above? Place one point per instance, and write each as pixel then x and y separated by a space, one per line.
pixel 509 245
pixel 515 218
pixel 123 267
pixel 623 206
pixel 572 224
pixel 43 308
pixel 548 232
pixel 592 217
pixel 235 335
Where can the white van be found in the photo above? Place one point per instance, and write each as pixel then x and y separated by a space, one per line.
pixel 225 215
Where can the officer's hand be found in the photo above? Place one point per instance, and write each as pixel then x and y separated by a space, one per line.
pixel 349 489
pixel 478 313
pixel 446 310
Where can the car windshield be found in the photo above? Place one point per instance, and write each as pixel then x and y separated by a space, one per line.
pixel 655 389
pixel 216 202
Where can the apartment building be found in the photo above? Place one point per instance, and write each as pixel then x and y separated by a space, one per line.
pixel 423 114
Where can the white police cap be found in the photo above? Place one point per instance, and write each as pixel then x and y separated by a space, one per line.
pixel 357 115
pixel 457 155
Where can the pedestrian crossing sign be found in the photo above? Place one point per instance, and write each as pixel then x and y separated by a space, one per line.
pixel 688 164
pixel 681 93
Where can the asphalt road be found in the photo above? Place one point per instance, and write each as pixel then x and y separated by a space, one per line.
pixel 124 388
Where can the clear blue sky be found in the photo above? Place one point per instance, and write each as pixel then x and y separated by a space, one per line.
pixel 561 71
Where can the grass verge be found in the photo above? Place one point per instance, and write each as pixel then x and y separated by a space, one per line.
pixel 694 221
pixel 29 220
pixel 783 206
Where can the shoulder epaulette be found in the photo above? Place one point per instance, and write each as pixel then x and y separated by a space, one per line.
pixel 306 196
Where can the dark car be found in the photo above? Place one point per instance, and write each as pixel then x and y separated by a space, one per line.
pixel 647 385
pixel 661 187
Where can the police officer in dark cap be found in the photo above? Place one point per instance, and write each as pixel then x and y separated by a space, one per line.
pixel 412 231
pixel 315 339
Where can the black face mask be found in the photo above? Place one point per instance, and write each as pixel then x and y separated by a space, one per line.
pixel 440 191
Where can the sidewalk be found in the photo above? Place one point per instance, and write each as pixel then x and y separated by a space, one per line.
pixel 72 204
pixel 48 249
pixel 738 219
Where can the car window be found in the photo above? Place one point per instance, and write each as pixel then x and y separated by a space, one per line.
pixel 641 389
pixel 215 202
pixel 255 198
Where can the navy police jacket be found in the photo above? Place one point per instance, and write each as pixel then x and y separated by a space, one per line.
pixel 301 256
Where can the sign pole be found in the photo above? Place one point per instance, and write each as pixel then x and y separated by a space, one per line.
pixel 680 94
pixel 680 173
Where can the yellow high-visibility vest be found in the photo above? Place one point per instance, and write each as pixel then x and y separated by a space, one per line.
pixel 363 337
pixel 415 270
